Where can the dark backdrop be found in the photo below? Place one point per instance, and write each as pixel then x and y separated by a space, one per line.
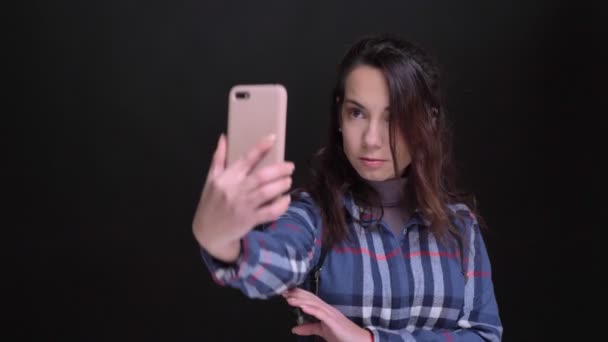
pixel 124 102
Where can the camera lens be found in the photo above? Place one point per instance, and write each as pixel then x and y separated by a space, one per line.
pixel 242 95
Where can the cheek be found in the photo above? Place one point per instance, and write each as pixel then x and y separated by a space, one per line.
pixel 347 142
pixel 403 154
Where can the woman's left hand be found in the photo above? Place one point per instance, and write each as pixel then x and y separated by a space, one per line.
pixel 333 325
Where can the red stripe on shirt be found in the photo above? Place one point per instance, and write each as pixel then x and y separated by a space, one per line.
pixel 432 254
pixel 393 253
pixel 478 274
pixel 295 228
pixel 264 259
pixel 346 249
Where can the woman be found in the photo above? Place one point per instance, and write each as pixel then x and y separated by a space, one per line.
pixel 405 258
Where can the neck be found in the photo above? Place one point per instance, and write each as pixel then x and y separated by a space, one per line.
pixel 390 191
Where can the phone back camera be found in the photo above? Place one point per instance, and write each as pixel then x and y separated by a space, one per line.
pixel 242 95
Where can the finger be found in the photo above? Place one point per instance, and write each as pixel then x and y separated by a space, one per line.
pixel 273 210
pixel 307 329
pixel 269 192
pixel 219 158
pixel 317 312
pixel 254 155
pixel 300 293
pixel 308 302
pixel 300 296
pixel 268 174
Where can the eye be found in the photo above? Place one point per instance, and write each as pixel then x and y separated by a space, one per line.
pixel 355 112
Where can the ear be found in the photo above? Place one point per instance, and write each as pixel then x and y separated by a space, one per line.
pixel 339 116
pixel 434 112
pixel 434 116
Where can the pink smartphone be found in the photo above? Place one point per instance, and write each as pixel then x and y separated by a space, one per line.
pixel 255 111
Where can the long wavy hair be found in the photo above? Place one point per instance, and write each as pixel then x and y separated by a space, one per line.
pixel 418 111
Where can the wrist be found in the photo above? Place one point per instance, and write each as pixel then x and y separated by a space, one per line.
pixel 227 252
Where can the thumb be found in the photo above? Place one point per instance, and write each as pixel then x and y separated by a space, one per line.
pixel 307 329
pixel 219 158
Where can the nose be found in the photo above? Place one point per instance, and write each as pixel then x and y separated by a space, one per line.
pixel 372 136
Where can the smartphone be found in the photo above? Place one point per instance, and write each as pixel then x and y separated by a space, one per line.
pixel 256 111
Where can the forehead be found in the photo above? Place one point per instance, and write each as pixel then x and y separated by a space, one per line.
pixel 367 85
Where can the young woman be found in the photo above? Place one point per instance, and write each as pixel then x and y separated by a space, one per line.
pixel 405 259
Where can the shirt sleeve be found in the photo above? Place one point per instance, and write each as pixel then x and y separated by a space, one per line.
pixel 276 257
pixel 479 317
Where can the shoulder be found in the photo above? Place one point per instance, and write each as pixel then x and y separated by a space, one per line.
pixel 302 199
pixel 461 209
pixel 462 216
pixel 304 207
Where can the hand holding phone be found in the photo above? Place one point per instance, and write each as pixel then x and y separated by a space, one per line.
pixel 248 177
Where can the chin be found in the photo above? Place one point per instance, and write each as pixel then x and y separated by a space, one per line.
pixel 376 176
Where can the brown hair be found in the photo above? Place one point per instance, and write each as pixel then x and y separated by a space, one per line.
pixel 418 112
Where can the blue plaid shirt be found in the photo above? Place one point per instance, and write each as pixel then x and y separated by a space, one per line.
pixel 401 288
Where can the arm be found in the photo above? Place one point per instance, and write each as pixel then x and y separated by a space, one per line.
pixel 479 317
pixel 273 260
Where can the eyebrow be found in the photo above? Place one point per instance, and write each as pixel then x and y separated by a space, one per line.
pixel 347 100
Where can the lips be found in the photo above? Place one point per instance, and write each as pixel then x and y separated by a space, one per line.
pixel 372 162
pixel 372 159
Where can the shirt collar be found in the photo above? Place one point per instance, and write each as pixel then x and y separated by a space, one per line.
pixel 365 216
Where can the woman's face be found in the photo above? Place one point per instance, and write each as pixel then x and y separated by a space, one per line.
pixel 364 120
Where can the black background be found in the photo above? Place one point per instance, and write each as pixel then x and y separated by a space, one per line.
pixel 124 101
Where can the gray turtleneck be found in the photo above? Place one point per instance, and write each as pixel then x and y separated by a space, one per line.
pixel 395 207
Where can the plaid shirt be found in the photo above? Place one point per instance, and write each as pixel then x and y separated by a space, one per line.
pixel 402 288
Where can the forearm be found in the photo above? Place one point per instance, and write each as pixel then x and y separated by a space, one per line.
pixel 273 259
pixel 386 335
pixel 228 253
pixel 266 266
pixel 460 335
